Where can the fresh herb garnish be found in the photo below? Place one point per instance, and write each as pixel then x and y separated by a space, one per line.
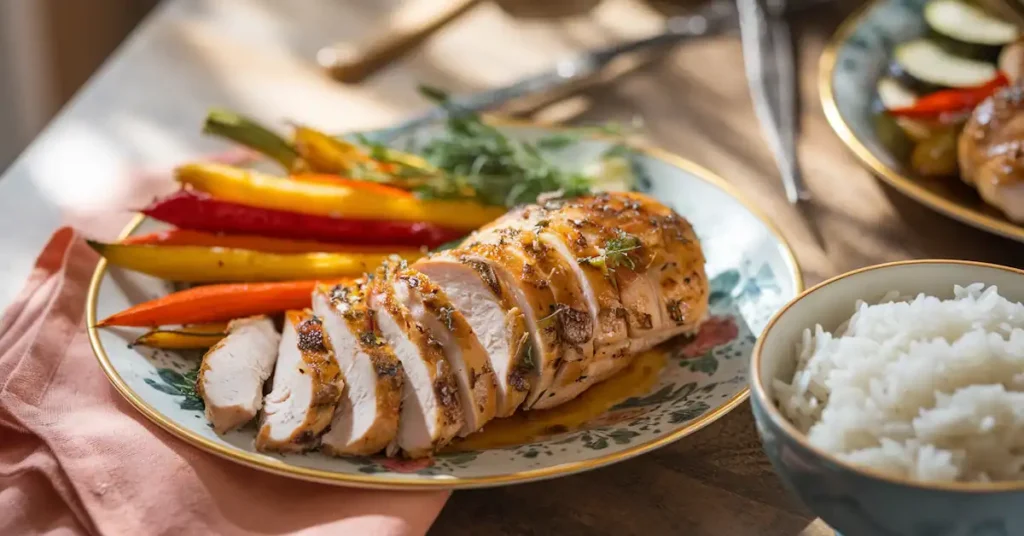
pixel 526 363
pixel 543 323
pixel 481 163
pixel 370 338
pixel 616 253
pixel 445 314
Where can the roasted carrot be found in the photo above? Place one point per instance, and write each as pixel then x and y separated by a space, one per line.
pixel 198 211
pixel 326 154
pixel 201 264
pixel 186 237
pixel 217 303
pixel 192 337
pixel 237 185
pixel 247 132
pixel 320 178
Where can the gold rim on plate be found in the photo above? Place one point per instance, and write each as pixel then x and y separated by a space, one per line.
pixel 906 185
pixel 761 393
pixel 277 466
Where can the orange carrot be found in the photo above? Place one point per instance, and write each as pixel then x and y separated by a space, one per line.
pixel 367 186
pixel 216 303
pixel 185 237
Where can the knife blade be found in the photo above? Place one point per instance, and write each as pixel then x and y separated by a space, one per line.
pixel 768 60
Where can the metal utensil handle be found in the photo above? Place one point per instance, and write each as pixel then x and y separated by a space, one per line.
pixel 713 19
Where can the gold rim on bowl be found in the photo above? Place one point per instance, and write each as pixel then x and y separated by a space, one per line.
pixel 906 185
pixel 760 394
pixel 277 466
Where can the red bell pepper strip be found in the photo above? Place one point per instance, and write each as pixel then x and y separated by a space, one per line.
pixel 200 212
pixel 947 101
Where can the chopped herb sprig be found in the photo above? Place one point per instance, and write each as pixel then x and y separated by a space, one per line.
pixel 615 253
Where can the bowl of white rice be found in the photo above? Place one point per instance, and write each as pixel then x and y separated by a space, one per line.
pixel 891 399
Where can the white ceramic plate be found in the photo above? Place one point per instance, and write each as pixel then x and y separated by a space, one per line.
pixel 753 273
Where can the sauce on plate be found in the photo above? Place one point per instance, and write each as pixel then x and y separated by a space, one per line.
pixel 528 426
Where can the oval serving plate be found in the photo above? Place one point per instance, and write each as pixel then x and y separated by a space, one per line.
pixel 753 273
pixel 849 70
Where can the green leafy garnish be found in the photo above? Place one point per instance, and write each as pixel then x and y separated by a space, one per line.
pixel 445 314
pixel 481 163
pixel 616 253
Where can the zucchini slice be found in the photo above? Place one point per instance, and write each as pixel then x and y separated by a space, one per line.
pixel 1011 61
pixel 892 94
pixel 968 24
pixel 924 66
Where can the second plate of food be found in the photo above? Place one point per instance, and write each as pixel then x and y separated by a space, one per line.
pixel 909 85
pixel 663 395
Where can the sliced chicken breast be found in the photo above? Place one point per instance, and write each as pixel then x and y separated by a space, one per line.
pixel 366 418
pixel 612 243
pixel 497 322
pixel 430 307
pixel 306 388
pixel 682 281
pixel 431 413
pixel 572 315
pixel 566 237
pixel 525 286
pixel 234 370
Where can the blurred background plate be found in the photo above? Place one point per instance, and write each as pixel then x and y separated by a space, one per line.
pixel 850 68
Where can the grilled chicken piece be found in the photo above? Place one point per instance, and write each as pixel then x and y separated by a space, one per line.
pixel 990 151
pixel 678 268
pixel 307 387
pixel 624 243
pixel 496 321
pixel 430 307
pixel 233 371
pixel 517 278
pixel 572 315
pixel 366 419
pixel 565 237
pixel 431 413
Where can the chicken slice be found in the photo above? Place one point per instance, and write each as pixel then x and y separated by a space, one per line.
pixel 366 419
pixel 431 413
pixel 234 370
pixel 682 282
pixel 572 316
pixel 430 307
pixel 307 386
pixel 519 278
pixel 498 324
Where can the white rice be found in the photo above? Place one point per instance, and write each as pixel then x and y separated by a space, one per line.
pixel 921 388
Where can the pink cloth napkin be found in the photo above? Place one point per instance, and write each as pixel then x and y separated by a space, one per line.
pixel 75 458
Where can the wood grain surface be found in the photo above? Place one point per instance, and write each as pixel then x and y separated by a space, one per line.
pixel 257 56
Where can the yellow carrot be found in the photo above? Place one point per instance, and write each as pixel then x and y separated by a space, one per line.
pixel 213 264
pixel 252 188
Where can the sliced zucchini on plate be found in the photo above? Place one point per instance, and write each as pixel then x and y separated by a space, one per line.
pixel 966 30
pixel 924 66
pixel 1011 61
pixel 894 95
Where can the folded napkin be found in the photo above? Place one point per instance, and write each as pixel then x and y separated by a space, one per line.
pixel 77 458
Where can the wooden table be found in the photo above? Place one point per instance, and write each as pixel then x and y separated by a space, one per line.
pixel 146 105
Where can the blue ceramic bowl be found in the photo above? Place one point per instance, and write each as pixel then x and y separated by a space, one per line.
pixel 857 501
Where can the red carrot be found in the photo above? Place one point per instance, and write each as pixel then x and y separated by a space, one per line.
pixel 200 212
